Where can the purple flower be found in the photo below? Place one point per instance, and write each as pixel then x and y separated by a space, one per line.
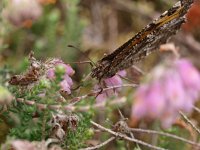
pixel 51 73
pixel 67 82
pixel 52 64
pixel 65 86
pixel 174 90
pixel 140 105
pixel 149 101
pixel 69 70
pixel 169 88
pixel 190 76
pixel 110 82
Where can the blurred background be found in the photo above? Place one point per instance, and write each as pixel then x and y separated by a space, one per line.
pixel 95 27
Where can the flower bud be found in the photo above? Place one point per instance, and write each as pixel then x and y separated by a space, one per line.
pixel 5 96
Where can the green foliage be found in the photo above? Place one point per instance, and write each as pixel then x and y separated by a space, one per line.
pixel 33 124
pixel 59 27
pixel 29 127
pixel 76 139
pixel 169 143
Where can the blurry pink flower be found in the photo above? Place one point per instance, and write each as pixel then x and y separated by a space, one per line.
pixel 169 88
pixel 155 99
pixel 174 90
pixel 139 104
pixel 147 99
pixel 110 82
pixel 190 76
pixel 22 12
pixel 168 117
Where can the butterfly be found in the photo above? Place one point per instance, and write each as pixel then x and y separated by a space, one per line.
pixel 144 42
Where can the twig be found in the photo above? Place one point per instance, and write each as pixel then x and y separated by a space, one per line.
pixel 76 100
pixel 189 121
pixel 165 134
pixel 197 109
pixel 93 93
pixel 138 69
pixel 123 136
pixel 100 145
pixel 120 101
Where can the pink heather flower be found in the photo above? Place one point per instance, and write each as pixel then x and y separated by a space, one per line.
pixel 155 99
pixel 140 105
pixel 67 82
pixel 169 88
pixel 147 99
pixel 52 64
pixel 169 116
pixel 69 69
pixel 68 79
pixel 65 86
pixel 51 73
pixel 122 73
pixel 110 82
pixel 19 12
pixel 190 76
pixel 174 89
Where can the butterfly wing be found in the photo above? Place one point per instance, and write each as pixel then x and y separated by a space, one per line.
pixel 143 43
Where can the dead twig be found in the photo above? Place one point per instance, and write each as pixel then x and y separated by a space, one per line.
pixel 189 122
pixel 123 136
pixel 165 134
pixel 196 109
pixel 100 145
pixel 72 108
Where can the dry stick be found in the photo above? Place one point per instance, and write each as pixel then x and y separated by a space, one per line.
pixel 164 134
pixel 123 136
pixel 77 99
pixel 197 109
pixel 138 69
pixel 120 101
pixel 189 121
pixel 100 145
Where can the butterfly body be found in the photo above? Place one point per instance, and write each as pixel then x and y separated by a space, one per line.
pixel 143 43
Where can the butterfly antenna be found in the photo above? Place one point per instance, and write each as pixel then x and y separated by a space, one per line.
pixel 92 63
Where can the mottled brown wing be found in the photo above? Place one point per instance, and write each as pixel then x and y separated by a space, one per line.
pixel 23 80
pixel 143 43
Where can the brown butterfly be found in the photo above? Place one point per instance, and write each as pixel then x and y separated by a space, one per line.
pixel 143 43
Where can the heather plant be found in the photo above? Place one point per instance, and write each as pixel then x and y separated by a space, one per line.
pixel 49 101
